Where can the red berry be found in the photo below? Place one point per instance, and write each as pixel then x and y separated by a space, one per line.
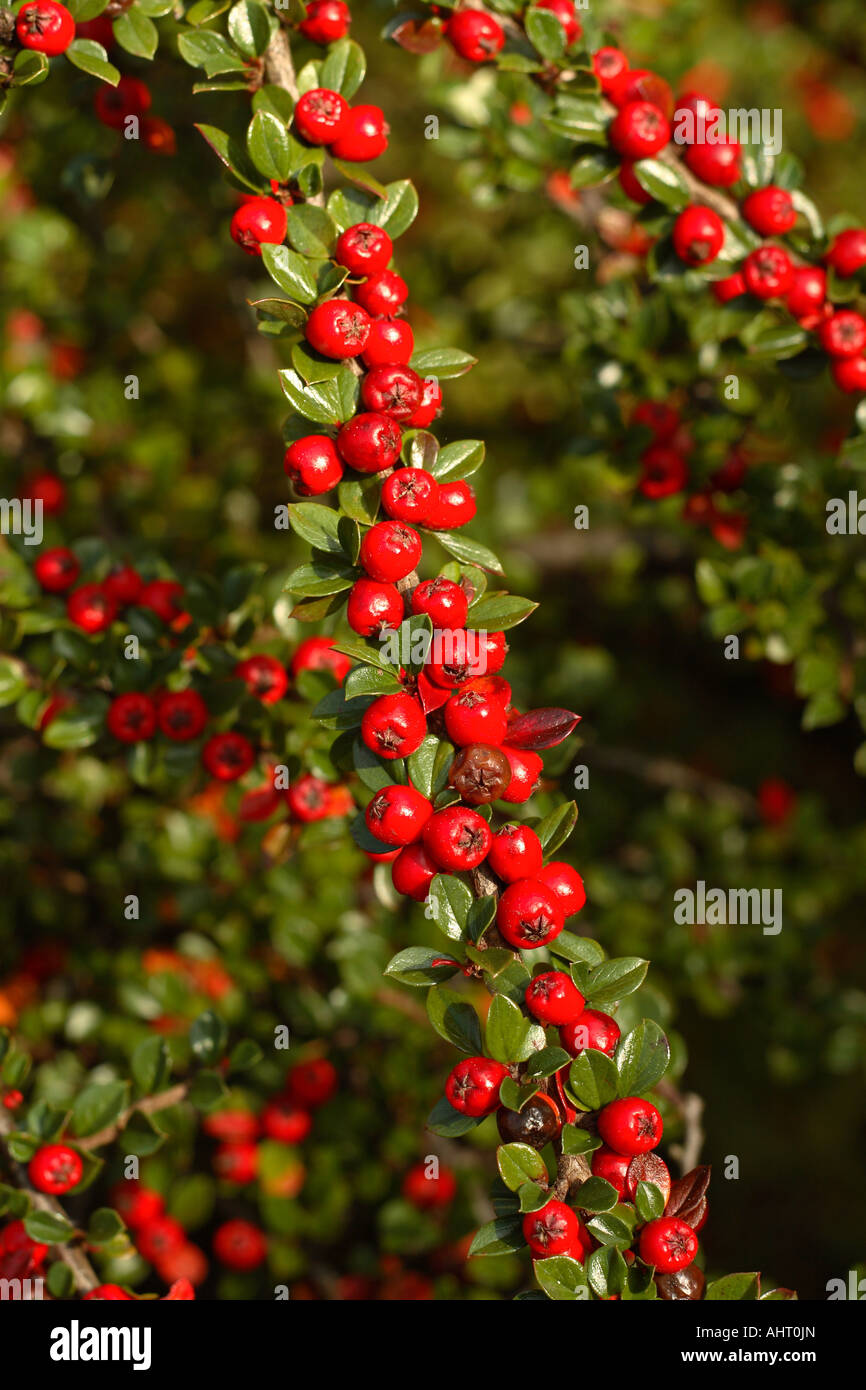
pixel 730 288
pixel 390 550
pixel 552 997
pixel 515 853
pixel 473 1086
pixel 658 417
pixel 55 1169
pixel 609 64
pixel 373 607
pixel 239 1245
pixel 808 291
pixel 639 130
pixel 701 109
pixel 45 27
pixel 107 1293
pixel 849 373
pixel 319 117
pixel 390 341
pixel 526 769
pixel 431 404
pixel 338 328
pixel 228 756
pixel 564 11
pixel 407 493
pixel 12 1099
pixel 397 815
pixel 393 390
pixel 320 654
pixel 100 29
pixel 47 489
pixel 471 717
pixel 265 677
pixel 124 585
pixel 57 570
pixel 286 1122
pixel 698 235
pixel 770 211
pixel 90 608
pixel 326 21
pixel 161 597
pixel 843 335
pixel 444 602
pixel 236 1163
pixel 528 914
pixel 132 717
pixel 668 1244
pixel 369 442
pixel 555 1230
pixel 629 183
pixel 158 135
pixel 664 471
pixel 160 1237
pixel 383 293
pixel 364 135
pixel 611 1166
pixel 457 838
pixel 768 272
pixel 425 1189
pixel 566 883
pixel 453 506
pixel 492 650
pixel 393 726
pixel 313 465
pixel 475 35
pixel 593 1029
pixel 136 1204
pixel 847 252
pixel 308 798
pixel 491 687
pixel 364 248
pixel 412 872
pixel 641 84
pixel 182 714
pixel 630 1126
pixel 716 164
pixel 258 220
pixel 458 656
pixel 312 1083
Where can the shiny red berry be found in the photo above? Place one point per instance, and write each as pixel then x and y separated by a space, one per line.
pixel 326 21
pixel 382 293
pixel 264 676
pixel 608 65
pixel 770 211
pixel 476 35
pixel 124 585
pixel 237 1163
pixel 162 597
pixel 338 328
pixel 393 726
pixel 132 717
pixel 698 235
pixel 567 885
pixel 471 717
pixel 444 602
pixel 390 550
pixel 593 1029
pixel 668 1244
pixel 428 1190
pixel 847 252
pixel 390 341
pixel 552 997
pixel 611 1166
pixel 849 373
pixel 808 292
pixel 630 1126
pixel 45 27
pixel 412 872
pixel 286 1122
pixel 526 769
pixel 369 442
pixel 843 335
pixel 313 465
pixel 565 13
pixel 312 1083
pixel 717 164
pixel 473 1086
pixel 393 390
pixel 364 135
pixel 239 1245
pixel 768 272
pixel 319 116
pixel 430 407
pixel 373 606
pixel 528 914
pixel 256 221
pixel 628 182
pixel 90 608
pixel 57 570
pixel 55 1169
pixel 182 715
pixel 454 506
pixel 639 130
pixel 731 287
pixel 228 756
pixel 457 838
pixel 397 815
pixel 408 493
pixel 554 1230
pixel 320 654
pixel 308 798
pixel 364 248
pixel 515 853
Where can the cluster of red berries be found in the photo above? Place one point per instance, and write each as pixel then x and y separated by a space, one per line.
pixel 665 472
pixel 94 607
pixel 478 36
pixel 131 97
pixel 159 1237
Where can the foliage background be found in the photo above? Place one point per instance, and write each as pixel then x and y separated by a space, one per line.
pixel 126 256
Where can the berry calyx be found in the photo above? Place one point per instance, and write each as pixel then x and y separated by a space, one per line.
pixel 407 494
pixel 536 1124
pixel 480 773
pixel 770 211
pixel 554 1230
pixel 630 1126
pixel 45 27
pixel 338 328
pixel 668 1244
pixel 55 1169
pixel 457 838
pixel 698 235
pixel 473 1086
pixel 397 815
pixel 369 442
pixel 393 726
pixel 364 135
pixel 258 221
pixel 373 607
pixel 313 465
pixel 593 1029
pixel 476 35
pixel 363 248
pixel 390 550
pixel 528 914
pixel 552 997
pixel 319 116
pixel 515 853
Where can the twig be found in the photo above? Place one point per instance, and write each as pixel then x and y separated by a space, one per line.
pixel 149 1106
pixel 691 1108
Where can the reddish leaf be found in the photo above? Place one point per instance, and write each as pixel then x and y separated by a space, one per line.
pixel 688 1192
pixel 542 728
pixel 685 1284
pixel 417 35
pixel 431 696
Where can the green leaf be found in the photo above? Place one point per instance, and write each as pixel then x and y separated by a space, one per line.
pixel 614 979
pixel 448 1122
pixel 136 33
pixel 606 1271
pixel 417 966
pixel 519 1164
pixel 594 167
pixel 13 680
pixel 556 827
pixel 578 1141
pixel 245 1055
pixel 649 1201
pixel 577 948
pixel 546 1062
pixel 370 680
pixel 454 1019
pixel 421 765
pixel 234 157
pixel 499 1237
pixel 320 402
pixel 733 1287
pixel 207 1090
pixel 469 551
pixel 344 68
pixel 398 210
pixel 442 362
pixel 92 58
pixel 97 1106
pixel 317 525
pixel 251 26
pixel 319 579
pixel 664 182
pixel 150 1065
pixel 268 146
pixel 611 1229
pixel 29 68
pixel 311 230
pixel 48 1229
pixel 208 50
pixel 506 1031
pixel 448 904
pixel 460 459
pixel 103 1226
pixel 641 1058
pixel 592 1078
pixel 596 1194
pixel 562 1278
pixel 499 612
pixel 545 33
pixel 208 1036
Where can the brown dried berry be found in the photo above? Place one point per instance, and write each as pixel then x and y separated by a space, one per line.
pixel 480 773
pixel 687 1283
pixel 536 1124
